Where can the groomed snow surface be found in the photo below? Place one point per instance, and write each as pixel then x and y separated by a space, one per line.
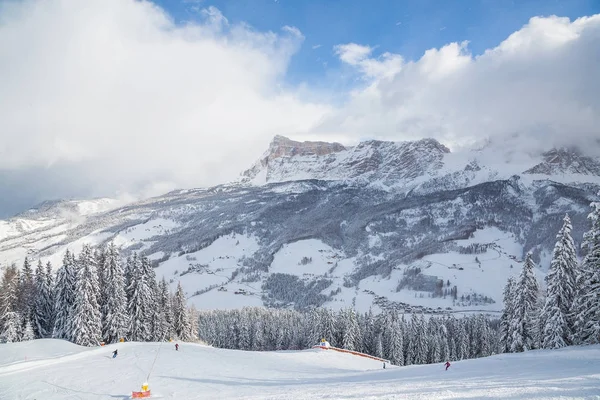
pixel 53 369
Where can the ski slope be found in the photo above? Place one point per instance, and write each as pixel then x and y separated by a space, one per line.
pixel 53 369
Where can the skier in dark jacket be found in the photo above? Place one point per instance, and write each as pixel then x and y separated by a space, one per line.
pixel 115 353
pixel 447 365
pixel 176 346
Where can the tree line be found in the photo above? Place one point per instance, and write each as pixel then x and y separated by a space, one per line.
pixel 568 312
pixel 389 335
pixel 92 298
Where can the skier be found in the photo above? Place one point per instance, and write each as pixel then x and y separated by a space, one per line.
pixel 114 353
pixel 176 347
pixel 447 365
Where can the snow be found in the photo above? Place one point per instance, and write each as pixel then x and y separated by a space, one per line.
pixel 88 207
pixel 212 267
pixel 52 369
pixel 288 260
pixel 144 232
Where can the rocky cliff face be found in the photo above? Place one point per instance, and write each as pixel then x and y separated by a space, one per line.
pixel 566 161
pixel 387 163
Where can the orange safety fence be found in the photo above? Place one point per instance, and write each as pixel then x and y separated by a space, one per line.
pixel 356 353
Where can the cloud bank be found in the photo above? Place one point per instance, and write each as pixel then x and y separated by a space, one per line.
pixel 124 96
pixel 541 85
pixel 102 97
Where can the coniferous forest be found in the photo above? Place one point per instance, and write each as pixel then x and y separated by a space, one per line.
pixel 568 312
pixel 96 297
pixel 92 298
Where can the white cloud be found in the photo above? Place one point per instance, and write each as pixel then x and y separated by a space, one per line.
pixel 117 91
pixel 112 95
pixel 541 84
pixel 353 53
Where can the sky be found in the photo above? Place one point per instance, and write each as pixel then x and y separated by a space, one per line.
pixel 126 98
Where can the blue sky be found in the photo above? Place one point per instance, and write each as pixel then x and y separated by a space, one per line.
pixel 405 27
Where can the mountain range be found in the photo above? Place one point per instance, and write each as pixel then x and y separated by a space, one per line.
pixel 408 225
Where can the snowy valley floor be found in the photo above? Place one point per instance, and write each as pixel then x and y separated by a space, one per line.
pixel 53 369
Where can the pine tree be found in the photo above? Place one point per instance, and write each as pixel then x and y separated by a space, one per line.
pixel 9 294
pixel 141 302
pixel 154 317
pixel 166 313
pixel 130 267
pixel 25 302
pixel 86 319
pixel 100 257
pixel 560 280
pixel 181 321
pixel 11 330
pixel 506 332
pixel 43 307
pixel 28 333
pixel 115 320
pixel 192 332
pixel 396 343
pixel 525 311
pixel 64 297
pixel 51 299
pixel 588 303
pixel 349 327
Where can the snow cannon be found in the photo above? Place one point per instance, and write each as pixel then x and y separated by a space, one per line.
pixel 143 394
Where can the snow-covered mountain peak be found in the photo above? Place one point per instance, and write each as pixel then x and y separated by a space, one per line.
pixel 282 146
pixel 566 161
pixel 389 163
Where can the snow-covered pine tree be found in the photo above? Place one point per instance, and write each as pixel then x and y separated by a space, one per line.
pixel 12 328
pixel 166 313
pixel 9 293
pixel 72 269
pixel 524 321
pixel 314 331
pixel 86 319
pixel 445 341
pixel 140 304
pixel 26 292
pixel 64 298
pixel 588 321
pixel 483 337
pixel 50 285
pixel 180 321
pixel 243 328
pixel 378 345
pixel 43 307
pixel 408 339
pixel 396 344
pixel 350 330
pixel 419 339
pixel 28 333
pixel 560 292
pixel 156 333
pixel 192 333
pixel 506 332
pixel 115 321
pixel 130 266
pixel 258 344
pixel 100 257
pixel 368 332
pixel 463 349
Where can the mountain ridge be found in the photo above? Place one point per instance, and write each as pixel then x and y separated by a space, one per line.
pixel 407 225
